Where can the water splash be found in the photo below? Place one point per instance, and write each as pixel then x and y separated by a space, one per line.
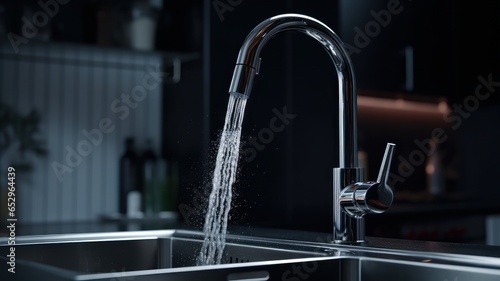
pixel 224 176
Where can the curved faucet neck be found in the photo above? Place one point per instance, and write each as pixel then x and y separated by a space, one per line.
pixel 248 63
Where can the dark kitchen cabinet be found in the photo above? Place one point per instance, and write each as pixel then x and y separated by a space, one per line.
pixel 402 46
pixel 430 48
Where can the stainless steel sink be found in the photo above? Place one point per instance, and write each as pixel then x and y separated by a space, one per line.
pixel 133 254
pixel 171 255
pixel 383 269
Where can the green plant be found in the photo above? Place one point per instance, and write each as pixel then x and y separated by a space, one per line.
pixel 18 132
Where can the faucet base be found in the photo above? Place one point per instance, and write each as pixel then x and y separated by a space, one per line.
pixel 347 229
pixel 353 198
pixel 355 234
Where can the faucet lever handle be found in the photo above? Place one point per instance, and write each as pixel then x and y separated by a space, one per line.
pixel 383 174
pixel 370 197
pixel 379 196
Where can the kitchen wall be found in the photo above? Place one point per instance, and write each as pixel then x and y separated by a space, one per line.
pixel 78 92
pixel 284 179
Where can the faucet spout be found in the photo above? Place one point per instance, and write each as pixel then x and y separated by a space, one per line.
pixel 352 197
pixel 248 64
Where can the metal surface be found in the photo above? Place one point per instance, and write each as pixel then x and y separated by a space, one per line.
pixel 248 63
pixel 352 196
pixel 171 254
pixel 362 198
pixel 81 256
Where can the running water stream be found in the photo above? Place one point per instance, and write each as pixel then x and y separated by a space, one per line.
pixel 223 178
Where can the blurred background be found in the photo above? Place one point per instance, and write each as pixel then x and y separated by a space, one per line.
pixel 110 111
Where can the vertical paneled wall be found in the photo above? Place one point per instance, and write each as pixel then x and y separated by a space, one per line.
pixel 89 100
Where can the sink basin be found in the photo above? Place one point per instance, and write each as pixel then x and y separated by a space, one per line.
pixel 91 256
pixel 132 254
pixel 171 255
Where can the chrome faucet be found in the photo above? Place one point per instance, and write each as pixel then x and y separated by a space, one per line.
pixel 353 198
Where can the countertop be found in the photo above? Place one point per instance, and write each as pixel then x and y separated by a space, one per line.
pixel 374 243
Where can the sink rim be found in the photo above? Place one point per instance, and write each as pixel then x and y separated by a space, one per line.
pixel 257 266
pixel 375 249
pixel 374 245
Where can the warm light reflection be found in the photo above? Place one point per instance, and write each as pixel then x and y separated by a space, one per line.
pixel 429 169
pixel 440 107
pixel 400 103
pixel 443 107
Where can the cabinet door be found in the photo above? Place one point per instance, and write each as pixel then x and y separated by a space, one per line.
pixel 399 45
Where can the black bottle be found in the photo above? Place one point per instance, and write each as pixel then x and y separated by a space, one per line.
pixel 129 174
pixel 149 178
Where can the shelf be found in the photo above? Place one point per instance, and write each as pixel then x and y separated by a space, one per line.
pixel 167 216
pixel 97 56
